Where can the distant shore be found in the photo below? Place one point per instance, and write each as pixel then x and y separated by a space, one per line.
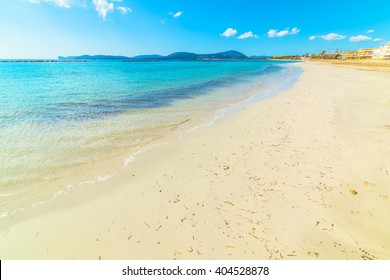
pixel 303 175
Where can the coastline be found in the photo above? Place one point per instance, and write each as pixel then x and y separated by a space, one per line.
pixel 96 139
pixel 291 177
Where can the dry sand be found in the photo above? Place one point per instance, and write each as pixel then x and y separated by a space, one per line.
pixel 303 175
pixel 361 64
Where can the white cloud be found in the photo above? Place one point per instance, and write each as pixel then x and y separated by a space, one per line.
pixel 333 36
pixel 178 14
pixel 311 38
pixel 294 31
pixel 247 35
pixel 378 39
pixel 103 7
pixel 60 3
pixel 124 10
pixel 359 38
pixel 229 32
pixel 370 31
pixel 274 33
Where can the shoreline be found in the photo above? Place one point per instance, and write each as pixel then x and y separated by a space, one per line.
pixel 290 177
pixel 254 89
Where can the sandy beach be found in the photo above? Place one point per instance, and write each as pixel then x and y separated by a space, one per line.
pixel 384 64
pixel 303 175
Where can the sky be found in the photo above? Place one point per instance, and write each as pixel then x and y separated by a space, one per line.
pixel 52 28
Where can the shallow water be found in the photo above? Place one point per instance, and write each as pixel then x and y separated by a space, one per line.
pixel 62 120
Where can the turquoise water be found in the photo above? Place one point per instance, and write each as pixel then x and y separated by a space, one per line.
pixel 60 121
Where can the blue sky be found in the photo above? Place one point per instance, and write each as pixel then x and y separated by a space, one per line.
pixel 49 28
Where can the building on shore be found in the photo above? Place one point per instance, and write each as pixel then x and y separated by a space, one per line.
pixel 348 55
pixel 383 52
pixel 365 53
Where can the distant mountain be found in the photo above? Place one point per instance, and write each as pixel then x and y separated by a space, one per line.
pixel 193 56
pixel 229 55
pixel 148 56
pixel 183 56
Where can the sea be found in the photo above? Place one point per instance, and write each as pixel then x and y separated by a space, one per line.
pixel 66 124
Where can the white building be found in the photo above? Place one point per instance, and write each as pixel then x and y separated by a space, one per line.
pixel 382 52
